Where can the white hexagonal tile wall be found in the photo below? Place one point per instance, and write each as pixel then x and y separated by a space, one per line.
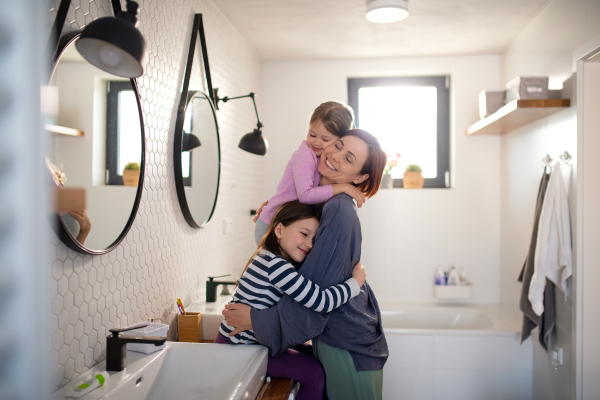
pixel 161 258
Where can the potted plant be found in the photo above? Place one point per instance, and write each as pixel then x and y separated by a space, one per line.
pixel 131 174
pixel 413 177
pixel 387 182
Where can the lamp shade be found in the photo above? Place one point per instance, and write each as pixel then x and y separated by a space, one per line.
pixel 114 45
pixel 190 142
pixel 254 143
pixel 387 11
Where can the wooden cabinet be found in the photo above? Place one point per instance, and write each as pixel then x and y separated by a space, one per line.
pixel 277 389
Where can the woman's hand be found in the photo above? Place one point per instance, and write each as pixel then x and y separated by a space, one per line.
pixel 351 191
pixel 238 315
pixel 85 226
pixel 359 274
pixel 259 211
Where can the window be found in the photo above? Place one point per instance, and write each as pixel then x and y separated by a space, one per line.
pixel 409 116
pixel 186 156
pixel 123 131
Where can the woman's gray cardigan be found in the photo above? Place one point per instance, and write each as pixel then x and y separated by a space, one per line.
pixel 355 326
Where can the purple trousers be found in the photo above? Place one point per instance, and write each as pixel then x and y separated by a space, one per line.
pixel 298 364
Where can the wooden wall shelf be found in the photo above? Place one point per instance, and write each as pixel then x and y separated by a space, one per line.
pixel 62 130
pixel 515 114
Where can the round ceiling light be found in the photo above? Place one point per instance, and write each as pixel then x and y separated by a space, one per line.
pixel 387 11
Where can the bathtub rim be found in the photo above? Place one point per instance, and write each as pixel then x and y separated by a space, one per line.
pixel 506 318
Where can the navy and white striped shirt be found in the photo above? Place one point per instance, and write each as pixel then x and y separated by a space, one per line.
pixel 269 276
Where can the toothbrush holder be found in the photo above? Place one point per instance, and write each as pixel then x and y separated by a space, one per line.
pixel 189 327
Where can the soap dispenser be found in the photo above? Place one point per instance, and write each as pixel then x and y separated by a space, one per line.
pixel 453 277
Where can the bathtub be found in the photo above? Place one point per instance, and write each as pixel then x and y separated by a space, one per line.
pixel 446 352
pixel 439 318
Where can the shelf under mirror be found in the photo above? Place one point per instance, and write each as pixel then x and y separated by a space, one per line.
pixel 63 130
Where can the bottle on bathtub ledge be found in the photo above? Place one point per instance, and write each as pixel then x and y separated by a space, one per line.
pixel 463 278
pixel 452 285
pixel 440 278
pixel 453 277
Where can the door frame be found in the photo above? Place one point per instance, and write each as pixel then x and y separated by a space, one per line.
pixel 581 56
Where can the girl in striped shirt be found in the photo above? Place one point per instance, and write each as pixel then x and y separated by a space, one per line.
pixel 269 275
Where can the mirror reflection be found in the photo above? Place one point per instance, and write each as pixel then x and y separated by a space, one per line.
pixel 200 157
pixel 96 144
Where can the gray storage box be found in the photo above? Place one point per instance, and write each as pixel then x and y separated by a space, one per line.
pixel 527 88
pixel 490 101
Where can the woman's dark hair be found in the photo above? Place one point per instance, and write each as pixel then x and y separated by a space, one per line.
pixel 374 165
pixel 287 214
pixel 335 117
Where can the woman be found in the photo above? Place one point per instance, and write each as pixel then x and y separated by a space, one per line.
pixel 75 221
pixel 349 342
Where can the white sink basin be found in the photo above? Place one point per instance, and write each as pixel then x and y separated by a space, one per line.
pixel 211 315
pixel 183 371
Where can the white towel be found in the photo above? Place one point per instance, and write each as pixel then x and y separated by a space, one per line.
pixel 553 258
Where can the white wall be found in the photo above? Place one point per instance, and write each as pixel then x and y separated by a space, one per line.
pixel 406 233
pixel 545 47
pixel 161 258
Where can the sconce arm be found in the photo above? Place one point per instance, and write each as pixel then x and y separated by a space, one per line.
pixel 251 95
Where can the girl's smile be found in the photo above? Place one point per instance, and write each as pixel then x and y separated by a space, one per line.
pixel 319 138
pixel 296 239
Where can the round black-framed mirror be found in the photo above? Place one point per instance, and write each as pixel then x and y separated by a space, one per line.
pixel 111 205
pixel 197 159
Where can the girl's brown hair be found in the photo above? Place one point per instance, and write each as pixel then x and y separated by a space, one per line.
pixel 287 214
pixel 374 165
pixel 335 117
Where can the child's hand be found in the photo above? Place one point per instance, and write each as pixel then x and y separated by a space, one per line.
pixel 353 192
pixel 350 191
pixel 259 211
pixel 359 274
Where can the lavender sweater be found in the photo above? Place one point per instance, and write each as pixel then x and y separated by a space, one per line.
pixel 300 182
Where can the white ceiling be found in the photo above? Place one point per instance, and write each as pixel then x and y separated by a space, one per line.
pixel 291 30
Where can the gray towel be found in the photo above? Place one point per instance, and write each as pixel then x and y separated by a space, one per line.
pixel 530 318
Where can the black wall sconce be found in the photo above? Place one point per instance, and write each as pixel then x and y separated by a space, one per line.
pixel 189 142
pixel 113 44
pixel 252 142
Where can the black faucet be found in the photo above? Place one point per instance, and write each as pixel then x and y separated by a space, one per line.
pixel 116 359
pixel 211 287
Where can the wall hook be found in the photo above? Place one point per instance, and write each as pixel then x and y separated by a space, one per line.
pixel 547 160
pixel 566 157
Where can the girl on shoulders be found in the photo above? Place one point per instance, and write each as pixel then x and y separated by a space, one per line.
pixel 300 181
